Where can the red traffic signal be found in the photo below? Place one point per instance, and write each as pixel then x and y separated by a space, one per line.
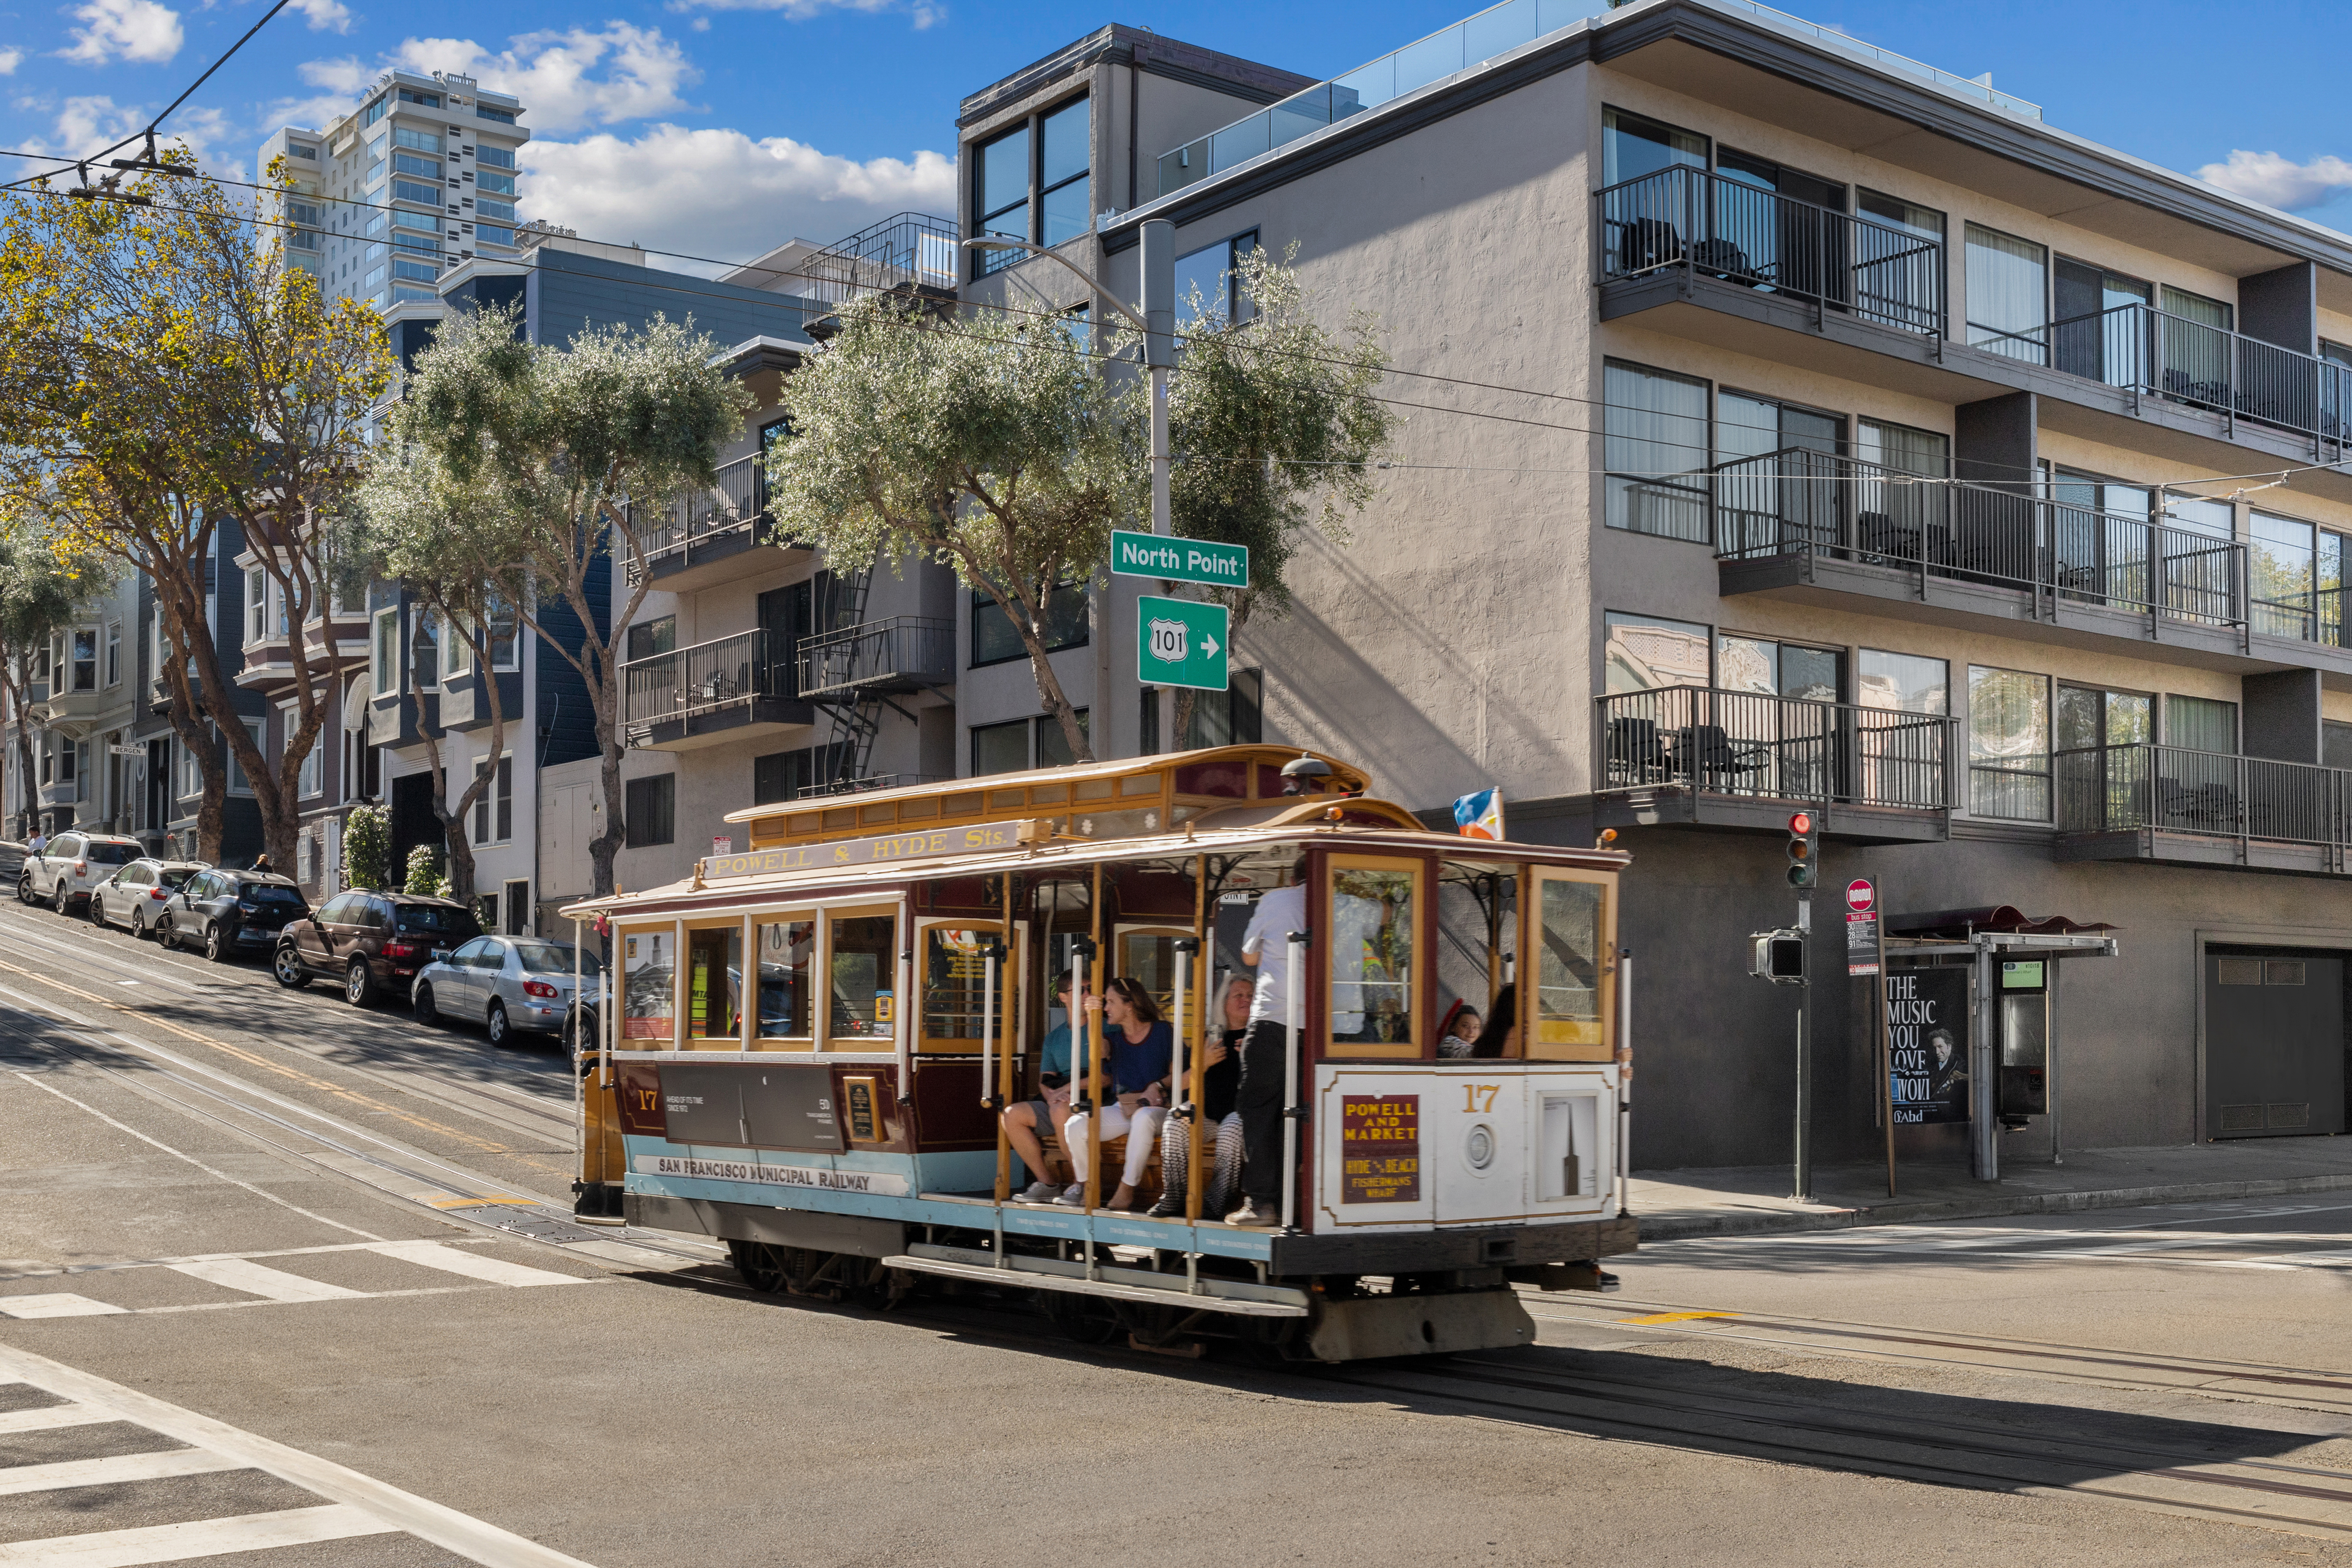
pixel 1801 825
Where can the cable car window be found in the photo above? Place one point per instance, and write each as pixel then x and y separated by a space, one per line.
pixel 649 971
pixel 1374 918
pixel 865 965
pixel 1148 957
pixel 1571 946
pixel 714 971
pixel 955 973
pixel 785 948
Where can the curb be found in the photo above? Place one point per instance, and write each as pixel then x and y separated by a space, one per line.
pixel 1684 1227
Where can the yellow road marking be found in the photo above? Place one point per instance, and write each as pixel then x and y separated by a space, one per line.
pixel 1677 1317
pixel 321 1085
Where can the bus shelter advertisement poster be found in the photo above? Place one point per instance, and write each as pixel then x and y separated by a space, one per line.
pixel 1927 1046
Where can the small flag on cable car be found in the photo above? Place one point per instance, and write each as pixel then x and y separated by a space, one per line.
pixel 1480 815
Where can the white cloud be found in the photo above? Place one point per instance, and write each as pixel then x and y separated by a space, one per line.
pixel 554 73
pixel 2278 181
pixel 924 13
pixel 718 193
pixel 84 125
pixel 126 30
pixel 325 15
pixel 9 60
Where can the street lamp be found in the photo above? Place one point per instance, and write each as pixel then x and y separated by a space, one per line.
pixel 1158 325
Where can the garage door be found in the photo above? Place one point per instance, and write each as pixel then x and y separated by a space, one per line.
pixel 2275 1045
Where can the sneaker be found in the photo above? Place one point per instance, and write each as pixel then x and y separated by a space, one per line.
pixel 1037 1193
pixel 1168 1208
pixel 1255 1216
pixel 1074 1197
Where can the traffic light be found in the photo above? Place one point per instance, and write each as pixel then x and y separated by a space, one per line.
pixel 1779 957
pixel 1804 872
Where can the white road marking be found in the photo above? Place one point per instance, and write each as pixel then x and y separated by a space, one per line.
pixel 50 1417
pixel 197 1538
pixel 473 1265
pixel 271 1284
pixel 53 1304
pixel 162 1463
pixel 362 1505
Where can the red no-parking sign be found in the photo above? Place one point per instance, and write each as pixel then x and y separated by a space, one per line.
pixel 1860 896
pixel 1862 955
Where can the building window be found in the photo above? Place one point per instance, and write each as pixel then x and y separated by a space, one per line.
pixel 374 112
pixel 1032 184
pixel 383 662
pixel 2009 294
pixel 1776 668
pixel 81 750
pixel 425 649
pixel 410 164
pixel 2009 743
pixel 1654 449
pixel 83 652
pixel 782 776
pixel 1023 744
pixel 2282 561
pixel 652 806
pixel 2201 724
pixel 1211 275
pixel 497 116
pixel 416 140
pixel 1233 717
pixel 114 653
pixel 649 639
pixel 497 158
pixel 1644 653
pixel 501 635
pixel 994 640
pixel 1903 682
pixel 237 783
pixel 423 99
pixel 493 807
pixel 314 763
pixel 191 771
pixel 1632 145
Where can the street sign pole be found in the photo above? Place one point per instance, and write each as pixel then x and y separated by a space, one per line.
pixel 1804 870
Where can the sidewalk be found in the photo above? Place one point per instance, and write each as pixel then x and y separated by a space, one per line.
pixel 1749 1200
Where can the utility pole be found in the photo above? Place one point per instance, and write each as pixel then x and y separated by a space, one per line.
pixel 1804 872
pixel 1159 264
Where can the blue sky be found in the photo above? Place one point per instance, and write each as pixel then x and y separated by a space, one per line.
pixel 724 126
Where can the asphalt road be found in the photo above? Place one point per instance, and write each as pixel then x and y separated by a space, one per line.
pixel 266 1297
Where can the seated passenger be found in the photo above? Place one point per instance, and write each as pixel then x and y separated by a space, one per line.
pixel 1221 1082
pixel 1024 1120
pixel 1460 1031
pixel 1139 1047
pixel 1500 1038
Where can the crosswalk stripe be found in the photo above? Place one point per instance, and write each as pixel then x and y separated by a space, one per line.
pixel 254 1280
pixel 53 1304
pixel 450 1260
pixel 197 1538
pixel 48 1417
pixel 151 1467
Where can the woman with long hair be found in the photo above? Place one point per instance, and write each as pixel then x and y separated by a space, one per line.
pixel 1138 1049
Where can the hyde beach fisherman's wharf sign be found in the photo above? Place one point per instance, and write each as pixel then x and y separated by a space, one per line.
pixel 929 845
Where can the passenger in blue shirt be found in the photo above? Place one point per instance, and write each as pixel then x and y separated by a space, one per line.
pixel 1024 1120
pixel 1140 1048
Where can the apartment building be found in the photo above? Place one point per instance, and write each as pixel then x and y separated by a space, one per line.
pixel 385 200
pixel 1799 426
pixel 79 704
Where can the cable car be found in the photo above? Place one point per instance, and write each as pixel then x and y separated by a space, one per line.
pixel 811 1045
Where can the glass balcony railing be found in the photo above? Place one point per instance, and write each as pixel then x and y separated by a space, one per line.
pixel 1495 31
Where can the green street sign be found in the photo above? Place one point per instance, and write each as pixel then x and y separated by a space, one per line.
pixel 1182 642
pixel 1178 560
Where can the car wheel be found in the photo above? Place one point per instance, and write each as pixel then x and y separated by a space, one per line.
pixel 501 1032
pixel 25 889
pixel 138 925
pixel 58 899
pixel 167 932
pixel 286 967
pixel 217 947
pixel 422 1005
pixel 96 910
pixel 358 984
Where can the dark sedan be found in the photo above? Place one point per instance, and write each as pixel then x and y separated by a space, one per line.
pixel 229 913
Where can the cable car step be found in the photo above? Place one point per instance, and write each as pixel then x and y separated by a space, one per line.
pixel 1118 1284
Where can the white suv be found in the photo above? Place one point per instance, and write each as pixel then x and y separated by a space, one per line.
pixel 62 875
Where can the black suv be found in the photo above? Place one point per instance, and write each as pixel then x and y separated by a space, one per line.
pixel 372 942
pixel 230 912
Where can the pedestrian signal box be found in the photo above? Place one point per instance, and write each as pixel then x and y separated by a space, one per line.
pixel 1779 957
pixel 1804 869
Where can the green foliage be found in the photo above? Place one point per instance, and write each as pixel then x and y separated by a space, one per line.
pixel 367 847
pixel 425 876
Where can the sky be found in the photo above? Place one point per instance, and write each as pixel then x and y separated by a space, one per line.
pixel 722 128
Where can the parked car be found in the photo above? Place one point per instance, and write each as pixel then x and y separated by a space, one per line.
pixel 371 941
pixel 228 913
pixel 509 983
pixel 11 862
pixel 72 864
pixel 133 898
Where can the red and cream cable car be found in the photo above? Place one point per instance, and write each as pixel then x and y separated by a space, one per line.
pixel 809 1046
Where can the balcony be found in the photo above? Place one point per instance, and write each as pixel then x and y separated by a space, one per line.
pixel 717 692
pixel 896 657
pixel 693 542
pixel 2177 807
pixel 1822 528
pixel 911 255
pixel 1705 757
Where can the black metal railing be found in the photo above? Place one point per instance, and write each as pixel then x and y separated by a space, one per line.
pixel 1798 501
pixel 2105 789
pixel 863 785
pixel 1722 227
pixel 896 653
pixel 703 678
pixel 2145 350
pixel 737 499
pixel 908 250
pixel 1774 747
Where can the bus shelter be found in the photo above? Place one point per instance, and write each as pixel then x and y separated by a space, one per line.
pixel 2002 968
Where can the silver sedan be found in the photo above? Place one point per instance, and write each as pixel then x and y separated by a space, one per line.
pixel 512 984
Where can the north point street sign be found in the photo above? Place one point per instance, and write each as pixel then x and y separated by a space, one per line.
pixel 1182 642
pixel 1178 560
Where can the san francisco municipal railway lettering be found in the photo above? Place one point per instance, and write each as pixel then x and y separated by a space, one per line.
pixel 1379 1148
pixel 976 839
pixel 774 1175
